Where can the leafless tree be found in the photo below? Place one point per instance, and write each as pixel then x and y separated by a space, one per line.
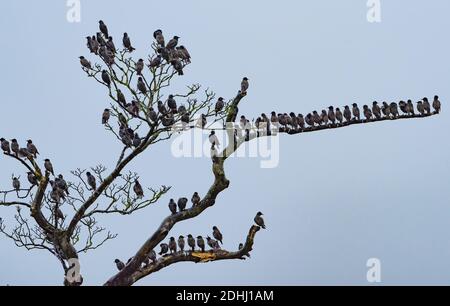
pixel 40 222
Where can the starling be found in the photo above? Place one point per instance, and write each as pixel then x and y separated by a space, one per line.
pixel 173 207
pixel 159 37
pixel 356 112
pixel 191 242
pixel 100 40
pixel 403 107
pixel 141 86
pixel 293 121
pixel 316 117
pixel 259 220
pixel 274 119
pixel 152 256
pixel 436 105
pixel 178 66
pixel 172 43
pixel 213 138
pixel 162 108
pixel 181 243
pixel 137 188
pixel 367 113
pixel 376 110
pixel 32 179
pixel 410 107
pixel 91 181
pixel 426 106
pixel 121 97
pixel 213 244
pixel 139 66
pixel 103 28
pixel 136 140
pixel 324 117
pixel 217 234
pixel 168 120
pixel 219 105
pixel 105 78
pixel 16 184
pixel 15 146
pixel 32 148
pixel 182 202
pixel 105 116
pixel 156 33
pixel 110 45
pixel 195 199
pixel 62 184
pixel 182 110
pixel 394 109
pixel 184 54
pixel 301 121
pixel 85 63
pixel 309 120
pixel 119 264
pixel 127 42
pixel 244 85
pixel 172 104
pixel 152 115
pixel 201 243
pixel 332 115
pixel 48 166
pixel 94 45
pixel 154 63
pixel 164 248
pixel 23 152
pixel 172 245
pixel 421 108
pixel 5 145
pixel 386 110
pixel 339 116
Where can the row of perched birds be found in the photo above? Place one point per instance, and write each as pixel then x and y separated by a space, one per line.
pixel 102 44
pixel 336 116
pixel 179 245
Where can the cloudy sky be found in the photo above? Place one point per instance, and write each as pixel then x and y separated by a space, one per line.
pixel 336 198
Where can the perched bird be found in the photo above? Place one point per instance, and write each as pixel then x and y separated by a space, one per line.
pixel 301 121
pixel 48 166
pixel 32 148
pixel 136 140
pixel 62 184
pixel 332 115
pixel 181 243
pixel 119 264
pixel 217 234
pixel 121 97
pixel 182 202
pixel 376 110
pixel 105 116
pixel 110 45
pixel 367 112
pixel 293 121
pixel 152 256
pixel 421 108
pixel 274 119
pixel 426 106
pixel 15 147
pixel 201 243
pixel 213 244
pixel 309 120
pixel 195 199
pixel 324 117
pixel 184 54
pixel 219 105
pixel 156 62
pixel 410 107
pixel 172 104
pixel 191 242
pixel 394 109
pixel 16 184
pixel 436 105
pixel 164 248
pixel 403 107
pixel 5 145
pixel 152 115
pixel 103 28
pixel 386 110
pixel 244 85
pixel 139 66
pixel 172 245
pixel 259 220
pixel 105 78
pixel 213 138
pixel 91 181
pixel 172 43
pixel 339 116
pixel 158 35
pixel 32 179
pixel 137 188
pixel 162 108
pixel 127 42
pixel 356 112
pixel 100 39
pixel 178 66
pixel 316 118
pixel 141 86
pixel 23 152
pixel 173 207
pixel 85 63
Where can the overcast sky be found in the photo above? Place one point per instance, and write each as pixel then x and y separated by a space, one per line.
pixel 337 197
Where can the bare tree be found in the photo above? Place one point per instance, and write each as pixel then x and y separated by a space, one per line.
pixel 63 214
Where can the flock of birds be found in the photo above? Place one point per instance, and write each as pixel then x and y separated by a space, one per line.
pixel 178 246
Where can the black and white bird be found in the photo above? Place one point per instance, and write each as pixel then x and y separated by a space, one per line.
pixel 139 66
pixel 347 113
pixel 436 105
pixel 32 178
pixel 421 108
pixel 376 110
pixel 410 107
pixel 91 181
pixel 426 106
pixel 316 118
pixel 386 110
pixel 164 248
pixel 119 264
pixel 158 36
pixel 152 256
pixel 367 113
pixel 331 115
pixel 32 148
pixel 339 116
pixel 393 107
pixel 195 199
pixel 217 234
pixel 191 242
pixel 5 146
pixel 356 112
pixel 181 243
pixel 259 220
pixel 15 147
pixel 62 184
pixel 213 244
pixel 16 184
pixel 172 245
pixel 403 107
pixel 201 243
pixel 48 166
pixel 172 43
pixel 173 206
pixel 182 203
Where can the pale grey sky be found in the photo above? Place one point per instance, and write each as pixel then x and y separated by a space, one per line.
pixel 337 197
